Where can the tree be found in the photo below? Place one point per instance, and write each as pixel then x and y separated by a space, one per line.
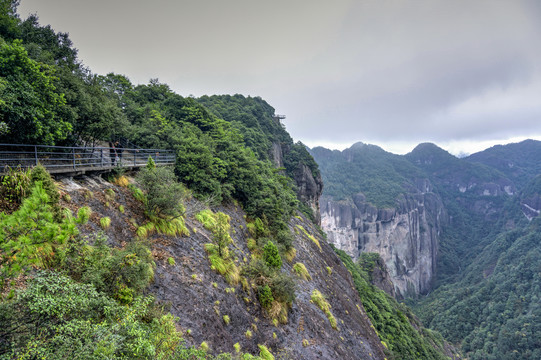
pixel 30 101
pixel 271 255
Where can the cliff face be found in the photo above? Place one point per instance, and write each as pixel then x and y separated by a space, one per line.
pixel 309 189
pixel 406 237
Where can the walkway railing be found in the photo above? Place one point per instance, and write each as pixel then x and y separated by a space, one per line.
pixel 62 159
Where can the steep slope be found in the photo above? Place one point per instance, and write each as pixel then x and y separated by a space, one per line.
pixel 375 201
pixel 201 297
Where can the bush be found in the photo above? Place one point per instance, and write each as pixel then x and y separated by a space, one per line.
pixel 163 193
pixel 271 255
pixel 264 294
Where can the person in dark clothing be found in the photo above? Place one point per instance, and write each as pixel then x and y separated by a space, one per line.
pixel 119 149
pixel 112 152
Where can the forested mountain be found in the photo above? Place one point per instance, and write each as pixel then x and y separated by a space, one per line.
pixel 486 272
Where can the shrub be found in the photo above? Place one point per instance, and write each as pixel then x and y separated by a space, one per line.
pixel 35 238
pixel 204 346
pixel 171 261
pixel 237 347
pixel 271 255
pixel 264 294
pixel 226 319
pixel 40 174
pixel 15 185
pixel 121 209
pixel 163 193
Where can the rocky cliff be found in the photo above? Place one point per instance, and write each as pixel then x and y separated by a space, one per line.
pixel 186 284
pixel 406 237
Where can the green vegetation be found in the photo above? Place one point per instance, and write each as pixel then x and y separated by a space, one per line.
pixel 380 176
pixel 493 310
pixel 301 271
pixel 271 255
pixel 395 323
pixel 319 299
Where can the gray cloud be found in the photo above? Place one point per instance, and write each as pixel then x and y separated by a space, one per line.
pixel 342 71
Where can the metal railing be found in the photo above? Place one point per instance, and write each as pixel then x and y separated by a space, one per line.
pixel 63 159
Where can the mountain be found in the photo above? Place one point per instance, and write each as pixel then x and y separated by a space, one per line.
pixel 481 216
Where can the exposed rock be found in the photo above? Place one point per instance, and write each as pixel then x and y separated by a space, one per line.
pixel 187 287
pixel 309 189
pixel 406 237
pixel 276 154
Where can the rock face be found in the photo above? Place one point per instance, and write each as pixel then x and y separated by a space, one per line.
pixel 406 237
pixel 309 189
pixel 200 297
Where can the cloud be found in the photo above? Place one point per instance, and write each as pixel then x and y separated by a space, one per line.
pixel 388 72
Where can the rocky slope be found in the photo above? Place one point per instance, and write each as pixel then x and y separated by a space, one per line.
pixel 200 297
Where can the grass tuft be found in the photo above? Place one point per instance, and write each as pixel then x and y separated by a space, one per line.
pixel 301 271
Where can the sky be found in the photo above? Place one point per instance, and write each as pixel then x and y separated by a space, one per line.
pixel 464 74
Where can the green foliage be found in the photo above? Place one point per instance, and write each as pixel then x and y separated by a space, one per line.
pixel 264 353
pixel 271 255
pixel 63 318
pixel 171 261
pixel 493 310
pixel 31 104
pixel 164 194
pixel 14 186
pixel 380 176
pixel 319 299
pixel 226 319
pixel 394 322
pixel 119 273
pixel 264 295
pixel 301 271
pixel 30 236
pixel 105 222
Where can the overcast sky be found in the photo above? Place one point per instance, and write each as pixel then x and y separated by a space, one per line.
pixel 463 74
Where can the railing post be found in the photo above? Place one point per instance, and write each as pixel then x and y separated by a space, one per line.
pixel 101 155
pixel 134 161
pixel 73 152
pixel 36 154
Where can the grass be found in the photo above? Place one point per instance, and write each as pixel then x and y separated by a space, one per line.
pixel 83 215
pixel 305 342
pixel 290 254
pixel 227 319
pixel 237 347
pixel 311 237
pixel 204 346
pixel 109 194
pixel 105 222
pixel 264 353
pixel 121 181
pixel 121 209
pixel 171 261
pixel 319 299
pixel 329 270
pixel 301 271
pixel 225 267
pixel 174 227
pixel 206 217
pixel 248 334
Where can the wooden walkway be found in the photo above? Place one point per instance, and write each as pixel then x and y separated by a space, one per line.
pixel 79 160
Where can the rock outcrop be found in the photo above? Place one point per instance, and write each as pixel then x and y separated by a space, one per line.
pixel 406 237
